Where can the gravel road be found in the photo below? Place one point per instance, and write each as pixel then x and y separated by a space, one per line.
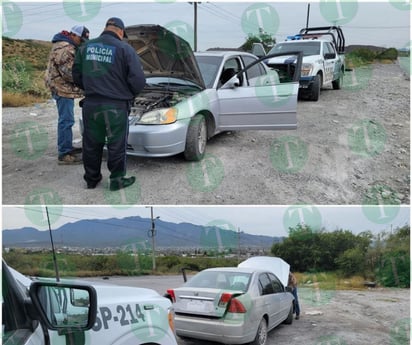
pixel 351 147
pixel 342 317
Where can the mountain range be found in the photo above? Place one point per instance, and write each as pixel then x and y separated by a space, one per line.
pixel 134 232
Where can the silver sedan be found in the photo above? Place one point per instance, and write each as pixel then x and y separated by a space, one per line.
pixel 190 97
pixel 234 305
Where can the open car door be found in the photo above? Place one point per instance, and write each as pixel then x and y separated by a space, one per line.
pixel 264 101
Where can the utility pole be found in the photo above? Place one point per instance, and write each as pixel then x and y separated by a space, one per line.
pixel 195 27
pixel 194 24
pixel 152 233
pixel 56 267
pixel 238 245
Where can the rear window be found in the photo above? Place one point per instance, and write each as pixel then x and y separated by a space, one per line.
pixel 308 48
pixel 220 280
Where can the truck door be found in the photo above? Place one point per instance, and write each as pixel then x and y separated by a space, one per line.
pixel 18 328
pixel 330 58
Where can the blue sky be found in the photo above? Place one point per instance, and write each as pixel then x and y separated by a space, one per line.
pixel 259 220
pixel 220 24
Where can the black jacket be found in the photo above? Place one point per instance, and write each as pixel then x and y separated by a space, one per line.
pixel 108 68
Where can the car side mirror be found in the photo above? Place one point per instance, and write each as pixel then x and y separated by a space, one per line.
pixel 233 83
pixel 67 308
pixel 288 289
pixel 329 56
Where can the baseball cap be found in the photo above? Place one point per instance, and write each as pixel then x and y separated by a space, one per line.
pixel 116 22
pixel 80 31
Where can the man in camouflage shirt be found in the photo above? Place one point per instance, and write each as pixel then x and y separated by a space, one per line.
pixel 60 82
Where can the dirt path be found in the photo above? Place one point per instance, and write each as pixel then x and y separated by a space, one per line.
pixel 328 317
pixel 351 147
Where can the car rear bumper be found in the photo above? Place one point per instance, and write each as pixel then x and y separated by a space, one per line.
pixel 222 331
pixel 157 140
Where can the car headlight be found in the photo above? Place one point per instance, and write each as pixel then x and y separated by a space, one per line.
pixel 306 69
pixel 161 116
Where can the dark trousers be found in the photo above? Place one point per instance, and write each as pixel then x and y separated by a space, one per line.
pixel 104 124
pixel 296 302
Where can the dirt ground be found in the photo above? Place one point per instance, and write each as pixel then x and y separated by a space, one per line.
pixel 351 147
pixel 341 317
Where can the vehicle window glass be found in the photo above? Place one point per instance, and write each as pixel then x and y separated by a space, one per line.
pixel 308 48
pixel 327 48
pixel 209 66
pixel 14 321
pixel 267 287
pixel 256 70
pixel 230 68
pixel 277 285
pixel 219 279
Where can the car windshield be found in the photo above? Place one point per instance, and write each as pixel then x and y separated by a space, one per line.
pixel 220 280
pixel 170 82
pixel 308 48
pixel 209 66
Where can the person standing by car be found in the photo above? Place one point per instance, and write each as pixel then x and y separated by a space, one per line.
pixel 293 285
pixel 59 80
pixel 111 75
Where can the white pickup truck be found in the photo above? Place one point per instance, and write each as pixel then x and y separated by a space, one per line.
pixel 46 312
pixel 323 59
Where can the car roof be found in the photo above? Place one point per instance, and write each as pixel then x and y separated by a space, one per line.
pixel 222 53
pixel 235 269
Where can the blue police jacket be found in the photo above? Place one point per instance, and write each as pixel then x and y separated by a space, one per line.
pixel 108 68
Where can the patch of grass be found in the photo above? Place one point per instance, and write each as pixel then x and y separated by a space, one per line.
pixel 24 64
pixel 330 281
pixel 20 100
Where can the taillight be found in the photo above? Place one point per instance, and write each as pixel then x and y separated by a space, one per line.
pixel 224 299
pixel 235 306
pixel 171 293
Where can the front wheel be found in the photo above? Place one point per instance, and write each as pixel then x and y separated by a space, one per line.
pixel 315 89
pixel 196 138
pixel 262 334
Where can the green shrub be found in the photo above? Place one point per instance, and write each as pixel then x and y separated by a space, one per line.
pixel 390 54
pixel 16 75
pixel 394 270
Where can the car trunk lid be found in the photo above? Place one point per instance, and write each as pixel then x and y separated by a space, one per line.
pixel 164 54
pixel 207 302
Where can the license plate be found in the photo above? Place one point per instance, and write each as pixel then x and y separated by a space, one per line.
pixel 199 306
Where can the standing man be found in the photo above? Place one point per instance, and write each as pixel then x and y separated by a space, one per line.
pixel 59 80
pixel 111 75
pixel 293 285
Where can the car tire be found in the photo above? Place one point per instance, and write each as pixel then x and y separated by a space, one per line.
pixel 337 84
pixel 262 333
pixel 289 319
pixel 196 139
pixel 315 89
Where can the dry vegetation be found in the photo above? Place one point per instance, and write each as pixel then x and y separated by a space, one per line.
pixel 26 87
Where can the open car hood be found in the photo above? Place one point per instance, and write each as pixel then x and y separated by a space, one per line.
pixel 277 266
pixel 164 54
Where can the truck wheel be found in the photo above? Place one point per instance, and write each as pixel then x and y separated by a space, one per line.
pixel 196 139
pixel 315 89
pixel 337 84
